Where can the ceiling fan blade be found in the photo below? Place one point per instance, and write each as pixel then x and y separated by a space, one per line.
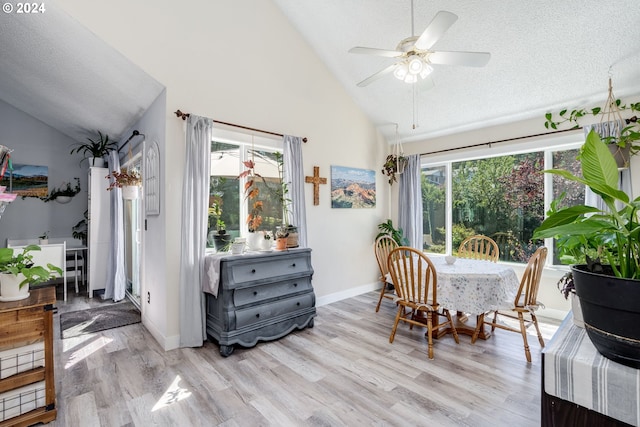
pixel 378 75
pixel 470 59
pixel 436 28
pixel 374 51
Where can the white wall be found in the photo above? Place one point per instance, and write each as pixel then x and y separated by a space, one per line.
pixel 242 62
pixel 35 143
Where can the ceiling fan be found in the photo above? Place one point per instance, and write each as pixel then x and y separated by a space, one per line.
pixel 415 56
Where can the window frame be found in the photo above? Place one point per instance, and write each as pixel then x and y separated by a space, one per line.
pixel 547 145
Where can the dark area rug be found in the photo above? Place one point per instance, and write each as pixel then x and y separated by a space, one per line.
pixel 92 320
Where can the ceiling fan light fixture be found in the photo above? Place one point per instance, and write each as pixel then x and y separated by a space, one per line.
pixel 415 64
pixel 401 71
pixel 411 78
pixel 428 69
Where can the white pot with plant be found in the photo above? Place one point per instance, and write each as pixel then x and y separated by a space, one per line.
pixel 17 272
pixel 95 149
pixel 128 180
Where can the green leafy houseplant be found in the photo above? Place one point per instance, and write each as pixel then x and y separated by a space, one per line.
pixel 22 263
pixel 97 147
pixel 124 178
pixel 387 229
pixel 612 233
pixel 394 164
pixel 66 190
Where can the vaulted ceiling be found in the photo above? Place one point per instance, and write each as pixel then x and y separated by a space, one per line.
pixel 545 55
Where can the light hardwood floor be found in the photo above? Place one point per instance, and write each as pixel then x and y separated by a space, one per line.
pixel 341 372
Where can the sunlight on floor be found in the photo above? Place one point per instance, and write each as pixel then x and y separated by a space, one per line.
pixel 173 394
pixel 86 351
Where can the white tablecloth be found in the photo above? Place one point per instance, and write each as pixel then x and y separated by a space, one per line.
pixel 474 286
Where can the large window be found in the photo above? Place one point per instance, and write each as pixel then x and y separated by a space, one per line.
pixel 501 197
pixel 227 204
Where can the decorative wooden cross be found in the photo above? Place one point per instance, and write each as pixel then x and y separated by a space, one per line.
pixel 316 181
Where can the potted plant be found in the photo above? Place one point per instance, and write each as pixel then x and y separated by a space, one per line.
pixel 281 238
pixel 221 239
pixel 129 180
pixel 387 229
pixel 64 193
pixel 608 286
pixel 251 193
pixel 394 165
pixel 95 149
pixel 79 231
pixel 623 145
pixel 44 238
pixel 18 270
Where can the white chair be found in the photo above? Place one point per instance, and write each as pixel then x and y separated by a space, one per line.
pixel 55 253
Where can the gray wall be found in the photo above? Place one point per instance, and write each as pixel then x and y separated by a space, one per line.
pixel 36 143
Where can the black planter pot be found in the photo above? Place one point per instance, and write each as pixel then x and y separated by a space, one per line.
pixel 611 311
pixel 222 242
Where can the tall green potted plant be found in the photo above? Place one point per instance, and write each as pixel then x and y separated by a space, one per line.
pixel 609 286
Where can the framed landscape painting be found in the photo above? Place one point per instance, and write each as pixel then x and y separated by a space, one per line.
pixel 352 187
pixel 28 180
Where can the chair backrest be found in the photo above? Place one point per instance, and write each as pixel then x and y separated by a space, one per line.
pixel 528 292
pixel 479 247
pixel 413 275
pixel 382 248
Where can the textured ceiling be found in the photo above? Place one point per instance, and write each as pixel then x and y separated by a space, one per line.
pixel 56 70
pixel 545 55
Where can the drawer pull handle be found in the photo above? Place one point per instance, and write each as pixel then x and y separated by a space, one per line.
pixel 295 285
pixel 293 265
pixel 255 293
pixel 253 271
pixel 258 315
pixel 298 303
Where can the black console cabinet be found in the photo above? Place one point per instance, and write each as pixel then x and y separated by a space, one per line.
pixel 261 297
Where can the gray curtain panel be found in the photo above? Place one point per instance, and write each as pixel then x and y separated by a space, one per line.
pixel 195 200
pixel 117 278
pixel 410 202
pixel 294 177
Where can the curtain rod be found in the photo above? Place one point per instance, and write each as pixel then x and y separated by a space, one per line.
pixel 499 141
pixel 628 121
pixel 184 116
pixel 134 133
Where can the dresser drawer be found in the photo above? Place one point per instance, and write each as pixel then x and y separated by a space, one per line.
pixel 257 294
pixel 269 268
pixel 252 315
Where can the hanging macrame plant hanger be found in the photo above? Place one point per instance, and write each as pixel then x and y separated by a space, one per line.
pixel 612 121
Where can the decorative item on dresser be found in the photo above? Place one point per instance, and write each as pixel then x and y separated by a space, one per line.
pixel 258 297
pixel 27 387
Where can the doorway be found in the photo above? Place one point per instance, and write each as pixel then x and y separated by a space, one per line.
pixel 133 234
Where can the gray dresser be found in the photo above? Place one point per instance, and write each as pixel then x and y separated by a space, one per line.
pixel 261 297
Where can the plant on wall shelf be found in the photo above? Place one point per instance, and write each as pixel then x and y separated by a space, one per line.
pixel 96 148
pixel 66 190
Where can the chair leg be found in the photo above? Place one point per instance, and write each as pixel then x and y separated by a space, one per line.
pixel 495 318
pixel 523 331
pixel 429 333
pixel 534 320
pixel 395 323
pixel 384 286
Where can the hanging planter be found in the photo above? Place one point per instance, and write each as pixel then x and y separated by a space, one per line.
pixel 129 180
pixel 130 192
pixel 396 162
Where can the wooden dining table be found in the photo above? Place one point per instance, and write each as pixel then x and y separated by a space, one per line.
pixel 470 288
